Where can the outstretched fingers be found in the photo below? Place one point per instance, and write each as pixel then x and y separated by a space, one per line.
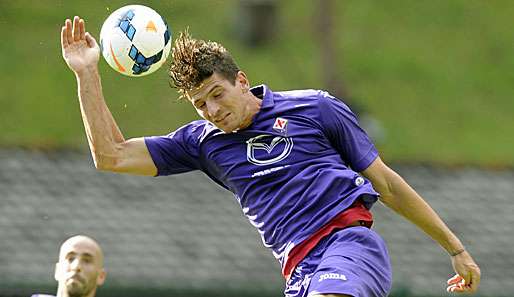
pixel 68 29
pixel 64 39
pixel 76 30
pixel 82 29
pixel 73 31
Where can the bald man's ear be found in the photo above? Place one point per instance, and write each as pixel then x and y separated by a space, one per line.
pixel 101 277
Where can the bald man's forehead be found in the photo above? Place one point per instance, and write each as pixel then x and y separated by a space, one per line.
pixel 80 246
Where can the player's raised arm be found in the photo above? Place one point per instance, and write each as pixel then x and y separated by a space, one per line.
pixel 110 150
pixel 399 196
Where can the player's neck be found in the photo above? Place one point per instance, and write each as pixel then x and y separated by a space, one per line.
pixel 252 108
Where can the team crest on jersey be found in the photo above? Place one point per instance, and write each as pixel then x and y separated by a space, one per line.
pixel 280 125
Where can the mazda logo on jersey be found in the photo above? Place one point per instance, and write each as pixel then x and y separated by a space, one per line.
pixel 268 149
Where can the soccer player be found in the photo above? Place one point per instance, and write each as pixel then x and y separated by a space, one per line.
pixel 80 269
pixel 292 160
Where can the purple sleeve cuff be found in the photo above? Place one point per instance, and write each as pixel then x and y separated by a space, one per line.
pixel 156 157
pixel 365 162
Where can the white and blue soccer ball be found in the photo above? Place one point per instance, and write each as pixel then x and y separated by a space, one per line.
pixel 135 40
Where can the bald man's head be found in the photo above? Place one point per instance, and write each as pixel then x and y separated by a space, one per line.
pixel 80 267
pixel 83 242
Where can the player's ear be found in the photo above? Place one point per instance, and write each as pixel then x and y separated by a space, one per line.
pixel 243 80
pixel 101 277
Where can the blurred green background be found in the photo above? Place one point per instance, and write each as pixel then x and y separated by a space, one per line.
pixel 436 75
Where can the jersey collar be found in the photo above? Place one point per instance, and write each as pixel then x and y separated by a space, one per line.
pixel 265 93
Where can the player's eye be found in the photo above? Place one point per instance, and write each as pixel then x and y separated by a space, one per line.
pixel 201 105
pixel 217 95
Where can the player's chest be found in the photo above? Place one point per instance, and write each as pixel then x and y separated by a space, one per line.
pixel 272 145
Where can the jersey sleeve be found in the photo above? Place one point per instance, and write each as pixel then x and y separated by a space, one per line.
pixel 176 152
pixel 341 127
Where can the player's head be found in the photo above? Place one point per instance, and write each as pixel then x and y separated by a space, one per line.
pixel 206 74
pixel 80 268
pixel 194 60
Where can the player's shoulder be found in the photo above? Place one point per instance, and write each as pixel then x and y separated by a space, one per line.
pixel 307 101
pixel 321 98
pixel 303 94
pixel 193 132
pixel 194 126
pixel 42 295
pixel 199 124
pixel 199 130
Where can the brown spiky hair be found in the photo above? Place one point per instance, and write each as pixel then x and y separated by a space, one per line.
pixel 195 60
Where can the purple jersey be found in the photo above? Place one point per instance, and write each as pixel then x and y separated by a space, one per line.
pixel 292 170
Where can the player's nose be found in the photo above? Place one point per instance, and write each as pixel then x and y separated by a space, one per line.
pixel 213 109
pixel 75 265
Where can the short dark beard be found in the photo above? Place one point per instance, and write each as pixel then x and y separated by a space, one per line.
pixel 81 293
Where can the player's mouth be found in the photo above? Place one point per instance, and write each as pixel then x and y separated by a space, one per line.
pixel 222 119
pixel 76 278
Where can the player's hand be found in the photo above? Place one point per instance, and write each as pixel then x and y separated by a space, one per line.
pixel 467 278
pixel 79 48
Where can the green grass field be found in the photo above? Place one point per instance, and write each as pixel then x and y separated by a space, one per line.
pixel 437 74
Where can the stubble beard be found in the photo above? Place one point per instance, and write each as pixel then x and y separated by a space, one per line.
pixel 80 289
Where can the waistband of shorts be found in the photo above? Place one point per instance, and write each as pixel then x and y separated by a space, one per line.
pixel 357 215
